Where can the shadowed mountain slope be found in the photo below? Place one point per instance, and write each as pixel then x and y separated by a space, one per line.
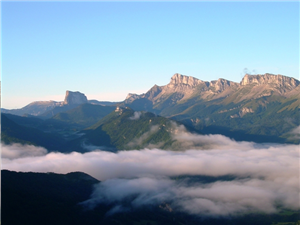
pixel 77 118
pixel 15 133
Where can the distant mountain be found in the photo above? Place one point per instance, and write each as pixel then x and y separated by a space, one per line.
pixel 260 107
pixel 47 109
pixel 58 109
pixel 78 118
pixel 74 98
pixel 34 108
pixel 127 129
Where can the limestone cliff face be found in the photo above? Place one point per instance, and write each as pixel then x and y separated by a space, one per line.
pixel 182 87
pixel 72 98
pixel 257 86
pixel 131 97
pixel 268 78
pixel 178 79
pixel 221 84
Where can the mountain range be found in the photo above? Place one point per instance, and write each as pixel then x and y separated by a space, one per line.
pixel 266 105
pixel 261 108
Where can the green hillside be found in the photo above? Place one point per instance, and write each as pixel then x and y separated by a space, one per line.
pixel 264 119
pixel 128 129
pixel 125 133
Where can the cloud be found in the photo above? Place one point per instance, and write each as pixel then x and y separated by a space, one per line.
pixel 247 71
pixel 15 151
pixel 91 147
pixel 136 115
pixel 138 141
pixel 295 134
pixel 263 176
pixel 186 140
pixel 218 198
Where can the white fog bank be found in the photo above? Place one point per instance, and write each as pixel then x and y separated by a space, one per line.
pixel 266 176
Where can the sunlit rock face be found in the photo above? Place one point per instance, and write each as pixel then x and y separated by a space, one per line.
pixel 268 78
pixel 182 79
pixel 74 98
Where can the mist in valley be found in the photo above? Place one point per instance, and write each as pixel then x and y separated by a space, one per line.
pixel 260 177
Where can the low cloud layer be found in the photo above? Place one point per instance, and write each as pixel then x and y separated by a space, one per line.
pixel 15 151
pixel 136 115
pixel 295 134
pixel 138 141
pixel 264 176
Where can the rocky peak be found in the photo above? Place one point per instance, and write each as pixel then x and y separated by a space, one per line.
pixel 74 98
pixel 153 92
pixel 268 78
pixel 182 79
pixel 221 84
pixel 131 95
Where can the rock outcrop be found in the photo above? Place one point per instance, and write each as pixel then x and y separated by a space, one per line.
pixel 268 78
pixel 178 79
pixel 184 87
pixel 73 98
pixel 221 84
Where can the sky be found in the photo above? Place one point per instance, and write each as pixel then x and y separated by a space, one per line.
pixel 109 49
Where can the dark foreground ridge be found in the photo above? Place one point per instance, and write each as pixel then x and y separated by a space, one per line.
pixel 49 198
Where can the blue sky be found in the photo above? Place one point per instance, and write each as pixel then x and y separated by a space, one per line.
pixel 109 49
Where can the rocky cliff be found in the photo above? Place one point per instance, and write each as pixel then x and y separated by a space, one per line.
pixel 183 87
pixel 41 107
pixel 280 80
pixel 266 106
pixel 74 98
pixel 178 79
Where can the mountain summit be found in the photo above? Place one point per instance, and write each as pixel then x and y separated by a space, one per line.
pixel 182 87
pixel 42 108
pixel 267 78
pixel 178 79
pixel 75 98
